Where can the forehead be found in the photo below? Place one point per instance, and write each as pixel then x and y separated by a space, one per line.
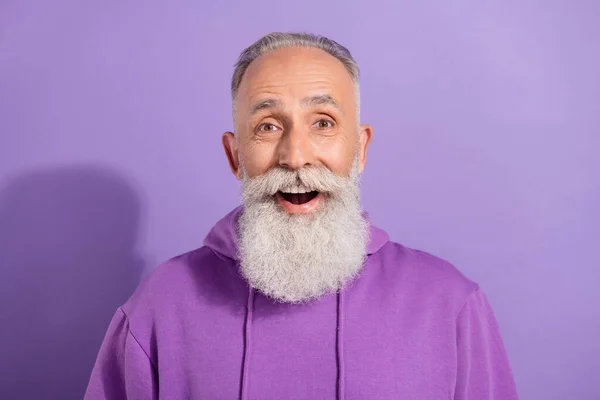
pixel 295 73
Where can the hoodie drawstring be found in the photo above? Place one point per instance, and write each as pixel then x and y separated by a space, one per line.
pixel 340 345
pixel 247 345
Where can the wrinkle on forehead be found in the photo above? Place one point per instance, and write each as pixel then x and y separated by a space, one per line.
pixel 307 102
pixel 296 73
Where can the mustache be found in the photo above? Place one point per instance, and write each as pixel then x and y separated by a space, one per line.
pixel 313 177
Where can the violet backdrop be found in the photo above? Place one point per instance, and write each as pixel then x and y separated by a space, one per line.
pixel 487 133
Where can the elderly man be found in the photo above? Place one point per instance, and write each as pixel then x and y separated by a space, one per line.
pixel 295 295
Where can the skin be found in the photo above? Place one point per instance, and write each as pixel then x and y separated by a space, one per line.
pixel 296 107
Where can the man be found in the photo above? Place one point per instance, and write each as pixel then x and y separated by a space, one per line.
pixel 296 295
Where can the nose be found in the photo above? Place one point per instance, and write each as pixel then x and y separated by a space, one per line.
pixel 296 150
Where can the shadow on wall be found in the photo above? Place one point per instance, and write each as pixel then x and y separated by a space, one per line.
pixel 67 260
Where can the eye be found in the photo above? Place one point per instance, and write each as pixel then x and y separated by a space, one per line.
pixel 267 127
pixel 324 124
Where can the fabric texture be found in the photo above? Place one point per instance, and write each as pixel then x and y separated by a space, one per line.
pixel 410 326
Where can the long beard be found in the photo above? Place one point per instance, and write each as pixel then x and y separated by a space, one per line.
pixel 297 258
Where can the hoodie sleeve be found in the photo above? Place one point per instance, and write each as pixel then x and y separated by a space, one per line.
pixel 123 369
pixel 483 372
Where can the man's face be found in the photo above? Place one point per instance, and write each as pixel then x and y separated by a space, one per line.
pixel 296 107
pixel 299 152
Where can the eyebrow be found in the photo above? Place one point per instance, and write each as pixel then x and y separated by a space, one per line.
pixel 265 105
pixel 311 101
pixel 320 100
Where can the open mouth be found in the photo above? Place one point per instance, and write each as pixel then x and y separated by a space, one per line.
pixel 299 198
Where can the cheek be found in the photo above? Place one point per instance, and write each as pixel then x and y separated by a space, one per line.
pixel 338 157
pixel 256 160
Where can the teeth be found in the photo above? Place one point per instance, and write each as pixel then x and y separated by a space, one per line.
pixel 297 189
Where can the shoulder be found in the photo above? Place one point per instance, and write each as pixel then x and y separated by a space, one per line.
pixel 423 276
pixel 178 282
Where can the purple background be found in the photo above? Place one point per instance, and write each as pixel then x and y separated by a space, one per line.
pixel 487 133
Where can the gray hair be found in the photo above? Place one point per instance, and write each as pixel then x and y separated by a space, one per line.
pixel 278 40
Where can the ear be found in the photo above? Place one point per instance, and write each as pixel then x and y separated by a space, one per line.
pixel 231 152
pixel 366 134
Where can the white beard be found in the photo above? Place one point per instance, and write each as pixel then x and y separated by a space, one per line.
pixel 294 257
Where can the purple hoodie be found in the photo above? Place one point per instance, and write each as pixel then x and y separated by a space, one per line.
pixel 409 327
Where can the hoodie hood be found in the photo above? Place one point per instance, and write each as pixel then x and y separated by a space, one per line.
pixel 223 237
